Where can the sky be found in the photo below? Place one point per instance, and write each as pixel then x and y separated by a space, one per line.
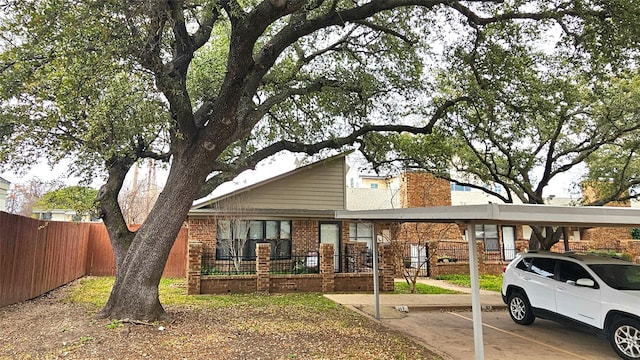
pixel 42 171
pixel 275 166
pixel 266 169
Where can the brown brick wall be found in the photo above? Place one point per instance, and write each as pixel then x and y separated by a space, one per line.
pixel 327 268
pixel 419 189
pixel 246 284
pixel 591 192
pixel 422 233
pixel 263 264
pixel 233 284
pixel 304 237
pixel 204 230
pixel 355 283
pixel 450 268
pixel 604 235
pixel 387 267
pixel 462 267
pixel 299 283
pixel 633 248
pixel 194 267
pixel 326 281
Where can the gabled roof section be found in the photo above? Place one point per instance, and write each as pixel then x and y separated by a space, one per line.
pixel 317 186
pixel 3 180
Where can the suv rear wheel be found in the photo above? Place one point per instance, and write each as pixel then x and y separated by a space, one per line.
pixel 625 338
pixel 519 309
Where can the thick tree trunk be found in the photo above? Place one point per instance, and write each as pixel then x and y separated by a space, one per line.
pixel 135 291
pixel 551 236
pixel 111 214
pixel 565 237
pixel 534 243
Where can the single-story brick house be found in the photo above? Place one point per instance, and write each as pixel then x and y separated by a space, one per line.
pixel 295 213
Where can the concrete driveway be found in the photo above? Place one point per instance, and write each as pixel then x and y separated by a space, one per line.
pixel 444 324
pixel 450 334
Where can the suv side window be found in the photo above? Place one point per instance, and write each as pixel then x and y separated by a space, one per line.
pixel 543 267
pixel 570 271
pixel 525 264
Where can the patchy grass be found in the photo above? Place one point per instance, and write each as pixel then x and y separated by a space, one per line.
pixel 94 291
pixel 289 326
pixel 401 287
pixel 487 282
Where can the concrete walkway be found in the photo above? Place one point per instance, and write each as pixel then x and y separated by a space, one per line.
pixel 394 305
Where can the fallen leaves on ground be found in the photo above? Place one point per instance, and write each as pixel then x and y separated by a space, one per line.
pixel 48 328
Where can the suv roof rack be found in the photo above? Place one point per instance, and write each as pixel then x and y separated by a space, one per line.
pixel 573 254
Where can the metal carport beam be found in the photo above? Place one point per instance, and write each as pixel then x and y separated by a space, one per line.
pixel 507 214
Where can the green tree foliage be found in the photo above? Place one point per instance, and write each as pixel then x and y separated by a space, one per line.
pixel 84 97
pixel 531 114
pixel 77 198
pixel 214 87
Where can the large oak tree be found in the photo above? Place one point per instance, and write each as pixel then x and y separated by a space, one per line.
pixel 213 87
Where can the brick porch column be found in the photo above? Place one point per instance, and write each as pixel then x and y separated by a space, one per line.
pixel 433 260
pixel 327 268
pixel 194 267
pixel 482 268
pixel 263 265
pixel 387 264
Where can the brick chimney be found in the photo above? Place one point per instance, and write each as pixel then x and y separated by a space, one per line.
pixel 419 188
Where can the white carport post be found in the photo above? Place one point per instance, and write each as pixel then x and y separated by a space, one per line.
pixel 475 291
pixel 376 287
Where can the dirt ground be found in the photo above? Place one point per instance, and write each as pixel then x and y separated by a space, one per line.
pixel 50 328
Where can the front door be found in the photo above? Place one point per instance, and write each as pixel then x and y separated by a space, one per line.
pixel 330 234
pixel 509 242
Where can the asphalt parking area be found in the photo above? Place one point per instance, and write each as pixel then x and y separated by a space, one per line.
pixel 451 335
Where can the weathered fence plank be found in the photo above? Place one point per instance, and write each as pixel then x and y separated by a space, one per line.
pixel 101 260
pixel 39 256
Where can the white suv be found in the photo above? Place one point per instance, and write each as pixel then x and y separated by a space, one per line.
pixel 598 292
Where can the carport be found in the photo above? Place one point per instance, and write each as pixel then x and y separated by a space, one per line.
pixel 498 214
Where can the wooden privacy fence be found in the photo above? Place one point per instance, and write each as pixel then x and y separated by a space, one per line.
pixel 38 256
pixel 100 260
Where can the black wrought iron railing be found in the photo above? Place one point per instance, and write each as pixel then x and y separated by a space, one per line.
pixel 298 264
pixel 359 262
pixel 231 265
pixel 308 263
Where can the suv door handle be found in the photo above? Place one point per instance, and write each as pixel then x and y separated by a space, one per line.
pixel 561 288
